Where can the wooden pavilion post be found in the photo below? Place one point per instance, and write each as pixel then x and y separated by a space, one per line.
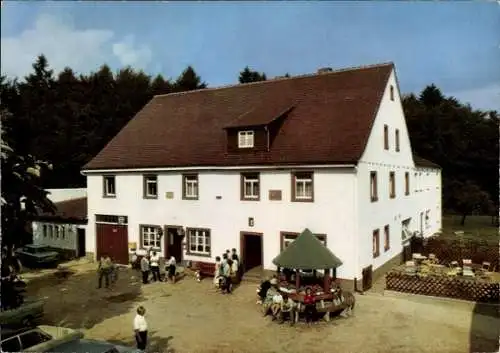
pixel 326 281
pixel 297 279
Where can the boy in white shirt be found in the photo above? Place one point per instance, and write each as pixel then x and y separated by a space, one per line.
pixel 141 329
pixel 155 266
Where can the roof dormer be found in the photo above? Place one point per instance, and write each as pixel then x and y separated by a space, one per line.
pixel 255 129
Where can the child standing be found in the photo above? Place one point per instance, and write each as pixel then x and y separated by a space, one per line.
pixel 141 329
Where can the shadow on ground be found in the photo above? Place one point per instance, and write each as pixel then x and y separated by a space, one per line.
pixel 485 328
pixel 156 343
pixel 74 300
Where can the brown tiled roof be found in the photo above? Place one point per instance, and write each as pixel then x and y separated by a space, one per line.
pixel 75 209
pixel 421 162
pixel 262 115
pixel 330 122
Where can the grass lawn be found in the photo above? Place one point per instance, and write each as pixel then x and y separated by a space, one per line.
pixel 475 227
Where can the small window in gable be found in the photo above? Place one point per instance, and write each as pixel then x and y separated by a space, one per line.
pixel 373 186
pixel 246 139
pixel 397 140
pixel 109 186
pixel 386 137
pixel 392 92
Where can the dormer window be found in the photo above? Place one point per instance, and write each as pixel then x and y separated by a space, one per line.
pixel 246 139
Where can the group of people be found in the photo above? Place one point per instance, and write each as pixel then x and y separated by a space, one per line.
pixel 150 264
pixel 280 305
pixel 227 271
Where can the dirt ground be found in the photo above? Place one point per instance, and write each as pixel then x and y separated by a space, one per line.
pixel 190 317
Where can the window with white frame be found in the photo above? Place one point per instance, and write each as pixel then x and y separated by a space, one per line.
pixel 150 237
pixel 44 227
pixel 199 241
pixel 288 238
pixel 109 187
pixel 63 232
pixel 190 186
pixel 250 184
pixel 51 231
pixel 56 231
pixel 150 186
pixel 427 219
pixel 245 139
pixel 302 186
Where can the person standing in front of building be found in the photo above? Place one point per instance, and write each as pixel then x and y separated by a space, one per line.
pixel 155 266
pixel 104 270
pixel 141 329
pixel 171 269
pixel 145 269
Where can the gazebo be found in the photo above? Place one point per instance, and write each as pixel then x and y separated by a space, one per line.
pixel 308 253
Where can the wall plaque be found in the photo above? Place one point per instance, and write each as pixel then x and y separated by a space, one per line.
pixel 275 195
pixel 169 195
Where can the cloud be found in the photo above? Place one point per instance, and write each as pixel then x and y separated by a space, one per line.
pixel 484 98
pixel 82 50
pixel 129 55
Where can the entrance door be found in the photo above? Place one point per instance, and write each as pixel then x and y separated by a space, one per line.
pixel 112 239
pixel 173 244
pixel 251 250
pixel 367 277
pixel 80 233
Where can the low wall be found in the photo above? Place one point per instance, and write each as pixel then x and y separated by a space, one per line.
pixel 447 287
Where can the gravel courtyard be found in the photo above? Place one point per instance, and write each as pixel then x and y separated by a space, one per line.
pixel 189 317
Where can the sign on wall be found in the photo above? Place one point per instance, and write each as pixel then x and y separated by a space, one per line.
pixel 169 195
pixel 275 195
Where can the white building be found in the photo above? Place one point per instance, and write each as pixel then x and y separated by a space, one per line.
pixel 65 229
pixel 250 166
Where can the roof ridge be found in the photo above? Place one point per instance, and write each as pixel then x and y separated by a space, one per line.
pixel 352 68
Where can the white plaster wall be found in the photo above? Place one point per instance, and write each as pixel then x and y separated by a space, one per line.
pixel 331 213
pixel 70 241
pixel 387 211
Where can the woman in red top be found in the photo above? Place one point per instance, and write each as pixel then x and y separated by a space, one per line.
pixel 310 305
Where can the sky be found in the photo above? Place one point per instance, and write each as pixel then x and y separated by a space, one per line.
pixel 455 45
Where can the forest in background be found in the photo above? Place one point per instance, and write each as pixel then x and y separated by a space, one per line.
pixel 65 119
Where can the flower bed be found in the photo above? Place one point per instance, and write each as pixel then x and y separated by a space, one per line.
pixel 449 287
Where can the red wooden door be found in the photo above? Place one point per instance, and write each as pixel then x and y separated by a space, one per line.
pixel 112 239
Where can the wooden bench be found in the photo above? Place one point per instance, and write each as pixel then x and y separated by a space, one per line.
pixel 206 269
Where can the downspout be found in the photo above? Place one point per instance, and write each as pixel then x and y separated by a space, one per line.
pixel 267 135
pixel 356 212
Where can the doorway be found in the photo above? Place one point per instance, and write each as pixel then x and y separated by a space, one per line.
pixel 80 233
pixel 251 250
pixel 367 277
pixel 173 244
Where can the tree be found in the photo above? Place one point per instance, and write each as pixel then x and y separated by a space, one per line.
pixel 188 81
pixel 469 198
pixel 22 194
pixel 248 75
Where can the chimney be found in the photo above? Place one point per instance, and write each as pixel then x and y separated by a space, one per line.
pixel 324 70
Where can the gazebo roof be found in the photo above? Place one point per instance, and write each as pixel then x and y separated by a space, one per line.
pixel 307 253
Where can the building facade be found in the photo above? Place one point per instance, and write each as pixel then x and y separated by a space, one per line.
pixel 330 152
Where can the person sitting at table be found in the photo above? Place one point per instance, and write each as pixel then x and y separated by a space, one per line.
pixel 287 308
pixel 271 292
pixel 262 291
pixel 276 305
pixel 310 305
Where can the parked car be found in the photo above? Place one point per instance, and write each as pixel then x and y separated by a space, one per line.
pixel 40 339
pixel 24 316
pixel 86 346
pixel 34 255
